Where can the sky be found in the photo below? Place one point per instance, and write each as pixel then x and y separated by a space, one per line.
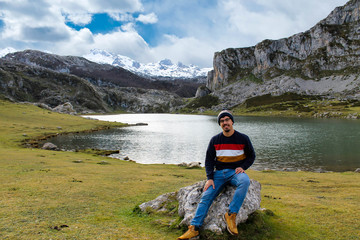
pixel 187 31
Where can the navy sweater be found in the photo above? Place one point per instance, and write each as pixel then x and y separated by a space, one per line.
pixel 228 153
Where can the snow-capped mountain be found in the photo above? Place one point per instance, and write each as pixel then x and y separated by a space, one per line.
pixel 164 68
pixel 7 50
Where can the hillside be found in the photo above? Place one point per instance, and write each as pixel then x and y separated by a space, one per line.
pixel 52 81
pixel 100 74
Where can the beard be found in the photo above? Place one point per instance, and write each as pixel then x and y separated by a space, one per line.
pixel 226 129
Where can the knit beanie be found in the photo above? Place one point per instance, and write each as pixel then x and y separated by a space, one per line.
pixel 223 114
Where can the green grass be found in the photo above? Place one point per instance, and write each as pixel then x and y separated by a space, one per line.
pixel 295 105
pixel 49 195
pixel 202 102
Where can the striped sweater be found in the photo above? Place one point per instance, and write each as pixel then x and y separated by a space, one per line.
pixel 228 153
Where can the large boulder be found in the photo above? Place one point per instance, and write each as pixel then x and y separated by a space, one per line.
pixel 188 198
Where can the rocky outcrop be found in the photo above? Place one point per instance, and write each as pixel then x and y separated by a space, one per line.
pixel 65 108
pixel 23 83
pixel 342 86
pixel 202 91
pixel 188 198
pixel 327 56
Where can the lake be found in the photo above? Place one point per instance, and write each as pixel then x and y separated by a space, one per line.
pixel 280 143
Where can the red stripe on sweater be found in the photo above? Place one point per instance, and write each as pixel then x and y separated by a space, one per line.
pixel 229 146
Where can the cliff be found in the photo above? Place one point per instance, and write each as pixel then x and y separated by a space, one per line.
pixel 323 61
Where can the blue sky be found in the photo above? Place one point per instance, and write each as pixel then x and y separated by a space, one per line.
pixel 189 31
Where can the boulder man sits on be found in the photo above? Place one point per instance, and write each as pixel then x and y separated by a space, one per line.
pixel 228 155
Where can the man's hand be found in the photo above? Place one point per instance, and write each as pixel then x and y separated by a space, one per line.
pixel 209 183
pixel 239 170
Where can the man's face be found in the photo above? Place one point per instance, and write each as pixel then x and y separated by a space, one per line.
pixel 226 124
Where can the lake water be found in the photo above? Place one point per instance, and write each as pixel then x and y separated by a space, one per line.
pixel 291 143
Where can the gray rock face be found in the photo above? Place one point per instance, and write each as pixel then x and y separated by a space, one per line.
pixel 202 91
pixel 346 86
pixel 327 49
pixel 188 198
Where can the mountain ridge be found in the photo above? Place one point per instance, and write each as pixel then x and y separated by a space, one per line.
pixel 164 68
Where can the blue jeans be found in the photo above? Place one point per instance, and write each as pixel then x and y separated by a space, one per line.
pixel 221 177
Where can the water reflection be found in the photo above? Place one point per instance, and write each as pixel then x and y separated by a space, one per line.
pixel 307 144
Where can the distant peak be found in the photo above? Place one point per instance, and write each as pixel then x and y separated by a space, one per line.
pixel 163 68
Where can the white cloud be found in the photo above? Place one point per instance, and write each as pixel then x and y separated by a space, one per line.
pixel 187 50
pixel 79 18
pixel 147 19
pixel 122 17
pixel 273 19
pixel 128 43
pixel 189 35
pixel 98 6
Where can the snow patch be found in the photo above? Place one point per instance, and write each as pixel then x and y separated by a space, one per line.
pixel 163 68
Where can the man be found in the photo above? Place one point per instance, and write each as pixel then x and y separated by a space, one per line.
pixel 228 155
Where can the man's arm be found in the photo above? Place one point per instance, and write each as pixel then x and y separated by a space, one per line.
pixel 249 153
pixel 210 160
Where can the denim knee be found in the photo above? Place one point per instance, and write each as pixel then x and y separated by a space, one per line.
pixel 241 179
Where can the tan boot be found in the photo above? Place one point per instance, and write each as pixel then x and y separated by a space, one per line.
pixel 189 233
pixel 231 223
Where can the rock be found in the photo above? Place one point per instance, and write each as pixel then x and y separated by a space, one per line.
pixel 103 162
pixel 202 91
pixel 194 165
pixel 190 165
pixel 78 161
pixel 188 198
pixel 65 108
pixel 183 164
pixel 357 170
pixel 159 203
pixel 43 105
pixel 49 146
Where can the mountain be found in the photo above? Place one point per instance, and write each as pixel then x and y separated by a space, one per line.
pixel 323 61
pixel 54 80
pixel 162 69
pixel 101 74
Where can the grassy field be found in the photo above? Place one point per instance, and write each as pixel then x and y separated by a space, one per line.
pixel 74 195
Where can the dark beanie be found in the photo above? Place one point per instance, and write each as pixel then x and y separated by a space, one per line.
pixel 223 114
